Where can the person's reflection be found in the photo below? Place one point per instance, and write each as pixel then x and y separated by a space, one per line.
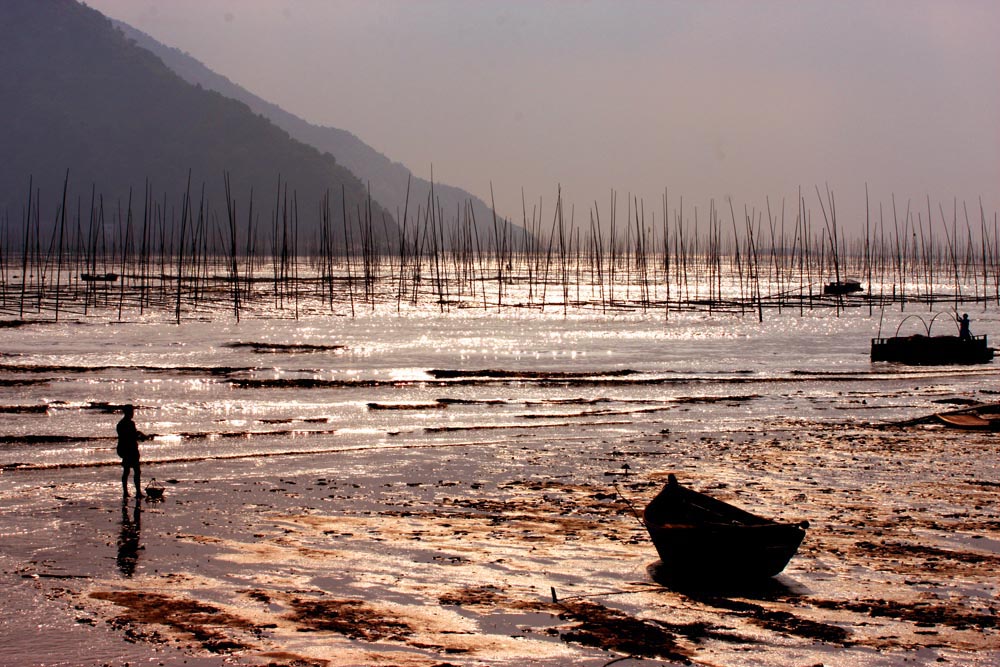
pixel 128 539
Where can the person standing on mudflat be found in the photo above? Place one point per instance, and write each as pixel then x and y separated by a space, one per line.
pixel 128 449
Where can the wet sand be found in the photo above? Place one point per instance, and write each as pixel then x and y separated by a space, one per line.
pixel 519 551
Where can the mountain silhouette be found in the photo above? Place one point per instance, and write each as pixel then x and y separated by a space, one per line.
pixel 79 97
pixel 388 180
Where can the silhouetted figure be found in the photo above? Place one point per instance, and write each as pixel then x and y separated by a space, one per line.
pixel 963 327
pixel 128 449
pixel 128 539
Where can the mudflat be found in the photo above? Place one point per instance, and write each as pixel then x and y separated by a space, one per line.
pixel 518 551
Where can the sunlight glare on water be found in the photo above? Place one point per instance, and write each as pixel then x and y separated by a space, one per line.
pixel 220 382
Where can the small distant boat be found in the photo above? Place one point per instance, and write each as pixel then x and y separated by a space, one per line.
pixel 846 286
pixel 702 539
pixel 99 277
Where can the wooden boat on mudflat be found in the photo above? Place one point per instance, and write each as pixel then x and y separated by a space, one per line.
pixel 920 350
pixel 701 539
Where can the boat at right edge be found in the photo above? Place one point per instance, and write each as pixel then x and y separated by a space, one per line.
pixel 927 350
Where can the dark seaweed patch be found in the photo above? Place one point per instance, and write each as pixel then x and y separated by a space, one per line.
pixel 779 621
pixel 35 439
pixel 311 383
pixel 613 630
pixel 479 596
pixel 188 370
pixel 896 549
pixel 486 378
pixel 23 409
pixel 919 613
pixel 472 401
pixel 278 348
pixel 23 382
pixel 714 399
pixel 352 618
pixel 495 373
pixel 200 621
pixel 435 405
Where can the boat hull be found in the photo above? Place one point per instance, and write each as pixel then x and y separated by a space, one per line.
pixel 970 422
pixel 701 539
pixel 932 350
pixel 725 553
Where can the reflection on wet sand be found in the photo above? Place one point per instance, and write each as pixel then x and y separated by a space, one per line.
pixel 128 538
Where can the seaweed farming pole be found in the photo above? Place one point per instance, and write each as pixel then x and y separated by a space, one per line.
pixel 680 249
pixel 925 260
pixel 185 208
pixel 831 231
pixel 326 246
pixel 4 259
pixel 996 250
pixel 970 255
pixel 952 240
pixel 599 254
pixel 900 250
pixel 497 251
pixel 62 229
pixel 481 269
pixel 666 253
pixel 800 242
pixel 640 254
pixel 125 248
pixel 755 263
pixel 737 254
pixel 987 250
pixel 774 274
pixel 347 245
pixel 27 240
pixel 295 250
pixel 868 258
pixel 932 253
pixel 564 252
pixel 233 268
pixel 198 248
pixel 434 221
pixel 882 259
pixel 274 242
pixel 144 248
pixel 251 252
pixel 249 258
pixel 402 247
pixel 612 250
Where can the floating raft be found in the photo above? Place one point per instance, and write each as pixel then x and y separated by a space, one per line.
pixel 919 350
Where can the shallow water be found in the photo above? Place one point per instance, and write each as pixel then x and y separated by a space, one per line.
pixel 473 449
pixel 207 388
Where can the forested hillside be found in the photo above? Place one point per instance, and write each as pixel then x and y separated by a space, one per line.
pixel 79 97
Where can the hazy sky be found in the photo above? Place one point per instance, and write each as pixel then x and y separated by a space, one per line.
pixel 708 98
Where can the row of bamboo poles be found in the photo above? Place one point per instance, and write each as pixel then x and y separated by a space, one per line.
pixel 148 257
